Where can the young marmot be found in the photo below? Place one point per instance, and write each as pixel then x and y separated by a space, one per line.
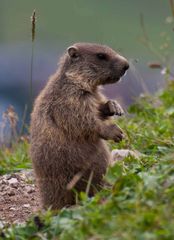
pixel 71 121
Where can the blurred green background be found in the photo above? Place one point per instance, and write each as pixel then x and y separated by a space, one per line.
pixel 60 23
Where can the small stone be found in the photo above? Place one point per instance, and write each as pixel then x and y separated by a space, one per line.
pixel 11 192
pixel 29 189
pixel 26 205
pixel 120 154
pixel 4 181
pixel 25 194
pixel 3 193
pixel 8 176
pixel 2 224
pixel 12 180
pixel 12 208
pixel 1 199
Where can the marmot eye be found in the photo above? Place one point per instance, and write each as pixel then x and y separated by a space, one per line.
pixel 102 56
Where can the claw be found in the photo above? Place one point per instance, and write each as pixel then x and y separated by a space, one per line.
pixel 115 108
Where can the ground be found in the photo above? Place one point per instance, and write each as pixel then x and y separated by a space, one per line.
pixel 18 197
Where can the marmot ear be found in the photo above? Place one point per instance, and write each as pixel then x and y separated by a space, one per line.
pixel 73 52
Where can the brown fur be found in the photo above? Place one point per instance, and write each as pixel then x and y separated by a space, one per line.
pixel 71 120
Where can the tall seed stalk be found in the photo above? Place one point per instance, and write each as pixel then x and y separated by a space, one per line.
pixel 33 32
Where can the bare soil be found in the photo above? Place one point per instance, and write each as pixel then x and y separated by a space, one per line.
pixel 18 197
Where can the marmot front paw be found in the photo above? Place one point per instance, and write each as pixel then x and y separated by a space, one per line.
pixel 115 108
pixel 115 133
pixel 118 135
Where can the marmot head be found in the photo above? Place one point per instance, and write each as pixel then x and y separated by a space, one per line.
pixel 94 64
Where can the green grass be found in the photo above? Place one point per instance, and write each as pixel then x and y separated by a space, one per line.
pixel 140 203
pixel 15 158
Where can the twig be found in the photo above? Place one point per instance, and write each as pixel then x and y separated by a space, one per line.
pixel 143 28
pixel 138 77
pixel 89 182
pixel 23 120
pixel 74 180
pixel 172 6
pixel 146 42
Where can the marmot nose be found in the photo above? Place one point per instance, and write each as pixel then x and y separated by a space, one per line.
pixel 123 63
pixel 126 66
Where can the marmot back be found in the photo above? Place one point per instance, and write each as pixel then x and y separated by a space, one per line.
pixel 71 121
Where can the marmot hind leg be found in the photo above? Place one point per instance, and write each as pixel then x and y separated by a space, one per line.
pixel 55 196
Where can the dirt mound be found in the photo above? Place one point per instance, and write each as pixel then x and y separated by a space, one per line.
pixel 18 197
